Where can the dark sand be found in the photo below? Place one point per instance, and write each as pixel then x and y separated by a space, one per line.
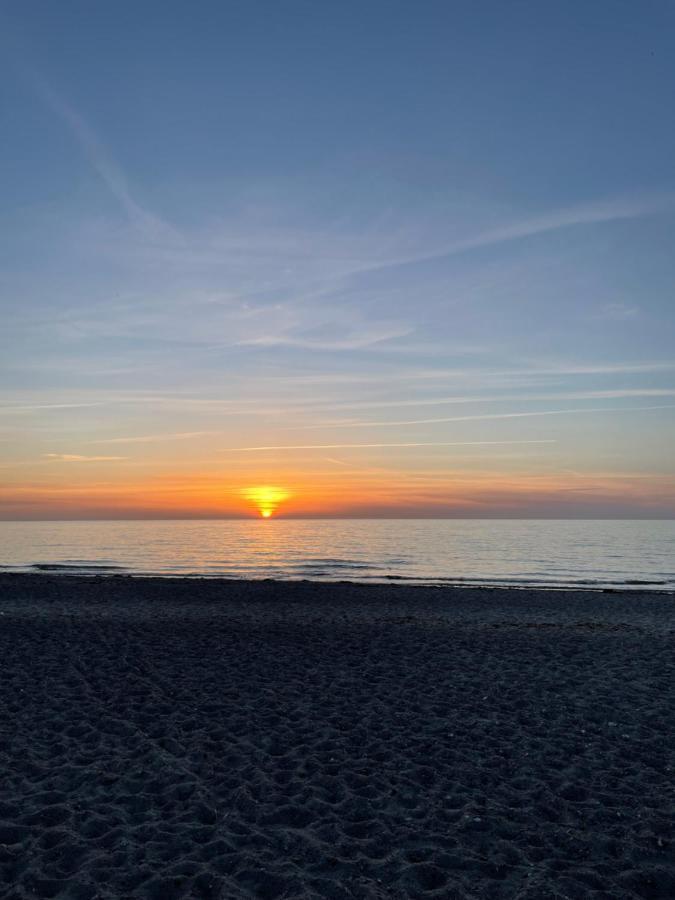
pixel 174 738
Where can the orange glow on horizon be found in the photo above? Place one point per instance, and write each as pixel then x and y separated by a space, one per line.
pixel 325 490
pixel 266 498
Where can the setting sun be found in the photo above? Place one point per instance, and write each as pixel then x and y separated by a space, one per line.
pixel 266 498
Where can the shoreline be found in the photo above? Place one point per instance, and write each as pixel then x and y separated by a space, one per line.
pixel 185 738
pixel 392 581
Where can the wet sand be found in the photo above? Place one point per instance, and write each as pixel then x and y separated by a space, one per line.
pixel 177 738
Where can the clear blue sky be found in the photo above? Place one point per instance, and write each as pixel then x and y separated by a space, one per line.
pixel 305 224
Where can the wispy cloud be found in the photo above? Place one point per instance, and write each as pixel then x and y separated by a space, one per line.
pixel 101 160
pixel 621 393
pixel 76 457
pixel 487 416
pixel 618 312
pixel 608 210
pixel 480 373
pixel 5 410
pixel 151 438
pixel 369 446
pixel 355 342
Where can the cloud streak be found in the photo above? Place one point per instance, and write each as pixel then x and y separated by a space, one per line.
pixel 108 170
pixel 564 370
pixel 76 457
pixel 487 416
pixel 356 342
pixel 609 210
pixel 5 410
pixel 477 398
pixel 370 446
pixel 151 438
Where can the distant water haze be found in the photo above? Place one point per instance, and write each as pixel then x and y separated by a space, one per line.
pixel 546 553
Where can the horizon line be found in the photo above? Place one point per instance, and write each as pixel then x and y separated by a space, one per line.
pixel 309 518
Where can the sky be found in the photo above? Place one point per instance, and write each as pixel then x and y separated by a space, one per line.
pixel 381 258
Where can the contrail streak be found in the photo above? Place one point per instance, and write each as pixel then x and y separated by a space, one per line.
pixel 355 446
pixel 488 416
pixel 100 160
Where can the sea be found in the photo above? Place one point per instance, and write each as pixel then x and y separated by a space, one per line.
pixel 601 554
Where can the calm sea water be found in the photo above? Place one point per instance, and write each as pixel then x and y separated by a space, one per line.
pixel 628 554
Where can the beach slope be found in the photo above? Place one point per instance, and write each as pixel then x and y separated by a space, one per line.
pixel 168 738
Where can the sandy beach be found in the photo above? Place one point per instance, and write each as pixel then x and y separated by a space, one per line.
pixel 194 738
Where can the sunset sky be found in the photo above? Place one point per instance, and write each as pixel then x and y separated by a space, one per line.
pixel 387 258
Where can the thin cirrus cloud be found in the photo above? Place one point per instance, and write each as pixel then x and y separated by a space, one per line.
pixel 77 458
pixel 356 342
pixel 608 210
pixel 618 312
pixel 7 410
pixel 482 374
pixel 99 158
pixel 474 398
pixel 487 416
pixel 252 404
pixel 112 175
pixel 371 446
pixel 152 438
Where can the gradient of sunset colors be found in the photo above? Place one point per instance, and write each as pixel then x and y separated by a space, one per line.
pixel 316 259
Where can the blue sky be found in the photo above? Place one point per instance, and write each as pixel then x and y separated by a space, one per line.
pixel 314 225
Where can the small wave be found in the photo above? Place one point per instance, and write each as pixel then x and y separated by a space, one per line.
pixel 330 563
pixel 524 580
pixel 75 567
pixel 304 573
pixel 639 581
pixel 301 567
pixel 364 571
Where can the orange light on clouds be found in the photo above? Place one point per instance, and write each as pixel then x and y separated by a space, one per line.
pixel 330 488
pixel 266 498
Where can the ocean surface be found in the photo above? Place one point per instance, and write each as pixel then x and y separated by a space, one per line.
pixel 544 553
